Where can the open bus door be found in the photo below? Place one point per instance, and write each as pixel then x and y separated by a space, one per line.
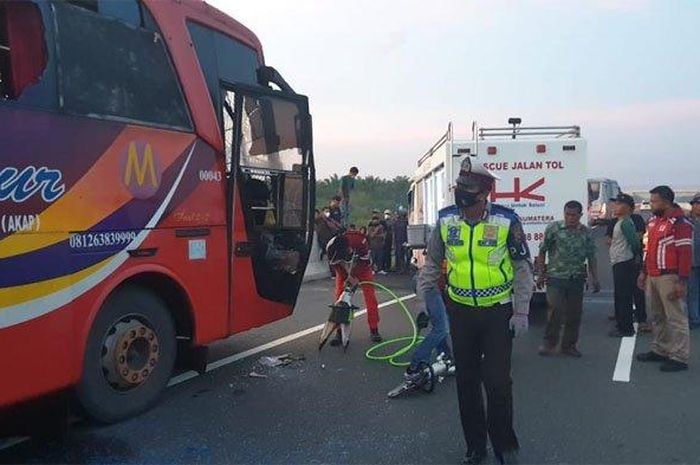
pixel 271 190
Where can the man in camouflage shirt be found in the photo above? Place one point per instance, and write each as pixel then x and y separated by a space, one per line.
pixel 569 245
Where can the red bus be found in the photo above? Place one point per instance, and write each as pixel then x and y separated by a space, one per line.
pixel 156 190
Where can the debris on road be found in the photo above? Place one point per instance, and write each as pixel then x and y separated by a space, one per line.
pixel 254 374
pixel 280 360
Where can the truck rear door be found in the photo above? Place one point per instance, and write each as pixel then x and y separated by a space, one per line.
pixel 537 177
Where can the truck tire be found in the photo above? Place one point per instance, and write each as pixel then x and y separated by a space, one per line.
pixel 129 356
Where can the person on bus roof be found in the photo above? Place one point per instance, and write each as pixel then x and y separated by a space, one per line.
pixel 347 185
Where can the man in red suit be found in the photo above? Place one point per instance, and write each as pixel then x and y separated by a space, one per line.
pixel 349 255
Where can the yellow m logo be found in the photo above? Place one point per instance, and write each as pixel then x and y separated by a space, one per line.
pixel 140 167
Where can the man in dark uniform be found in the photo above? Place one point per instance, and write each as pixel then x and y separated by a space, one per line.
pixel 488 290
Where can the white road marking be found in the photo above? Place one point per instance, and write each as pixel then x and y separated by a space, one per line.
pixel 623 367
pixel 186 376
pixel 9 442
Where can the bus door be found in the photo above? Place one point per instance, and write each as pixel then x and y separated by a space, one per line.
pixel 271 191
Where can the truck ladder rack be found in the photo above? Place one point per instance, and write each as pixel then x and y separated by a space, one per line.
pixel 444 138
pixel 514 132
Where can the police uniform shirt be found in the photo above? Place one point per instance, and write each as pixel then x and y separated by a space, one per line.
pixel 435 252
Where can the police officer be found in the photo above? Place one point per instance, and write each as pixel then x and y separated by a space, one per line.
pixel 487 295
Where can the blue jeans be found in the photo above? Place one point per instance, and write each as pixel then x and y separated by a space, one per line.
pixel 439 332
pixel 694 297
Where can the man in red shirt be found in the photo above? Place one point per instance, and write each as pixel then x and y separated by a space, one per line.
pixel 666 271
pixel 341 251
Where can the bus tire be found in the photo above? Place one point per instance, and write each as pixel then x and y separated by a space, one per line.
pixel 129 356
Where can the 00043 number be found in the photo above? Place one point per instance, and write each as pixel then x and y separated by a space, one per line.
pixel 102 239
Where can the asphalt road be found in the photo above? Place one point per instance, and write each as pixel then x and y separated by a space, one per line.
pixel 567 410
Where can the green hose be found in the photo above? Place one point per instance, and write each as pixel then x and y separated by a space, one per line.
pixel 411 341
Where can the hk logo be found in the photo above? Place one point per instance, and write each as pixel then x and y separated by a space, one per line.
pixel 141 170
pixel 518 193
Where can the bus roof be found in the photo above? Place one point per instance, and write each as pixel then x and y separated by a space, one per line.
pixel 172 17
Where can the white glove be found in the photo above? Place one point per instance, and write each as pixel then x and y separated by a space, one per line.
pixel 518 324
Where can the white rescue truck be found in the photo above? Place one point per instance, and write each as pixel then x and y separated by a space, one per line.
pixel 540 169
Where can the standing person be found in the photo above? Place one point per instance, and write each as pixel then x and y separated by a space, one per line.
pixel 335 214
pixel 376 234
pixel 567 245
pixel 326 228
pixel 323 230
pixel 488 290
pixel 626 259
pixel 347 185
pixel 640 313
pixel 388 240
pixel 665 278
pixel 341 251
pixel 694 281
pixel 400 240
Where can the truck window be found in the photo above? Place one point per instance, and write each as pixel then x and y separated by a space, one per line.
pixel 113 70
pixel 418 202
pixel 23 54
pixel 615 188
pixel 439 186
pixel 593 191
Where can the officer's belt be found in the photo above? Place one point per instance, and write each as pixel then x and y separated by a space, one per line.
pixel 481 293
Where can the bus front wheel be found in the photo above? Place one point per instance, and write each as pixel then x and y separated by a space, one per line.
pixel 129 356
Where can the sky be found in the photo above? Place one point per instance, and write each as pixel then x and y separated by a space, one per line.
pixel 384 78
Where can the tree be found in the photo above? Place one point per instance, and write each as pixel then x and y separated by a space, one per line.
pixel 370 193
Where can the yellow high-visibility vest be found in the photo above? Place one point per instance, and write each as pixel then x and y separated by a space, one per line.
pixel 479 267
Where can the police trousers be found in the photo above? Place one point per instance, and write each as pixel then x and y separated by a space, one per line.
pixel 482 344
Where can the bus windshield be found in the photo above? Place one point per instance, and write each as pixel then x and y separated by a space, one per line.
pixel 271 135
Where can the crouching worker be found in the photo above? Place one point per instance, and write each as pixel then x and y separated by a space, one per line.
pixel 436 340
pixel 418 375
pixel 488 288
pixel 349 256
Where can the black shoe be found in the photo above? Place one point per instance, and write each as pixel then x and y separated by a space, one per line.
pixel 651 356
pixel 474 457
pixel 337 340
pixel 618 333
pixel 571 352
pixel 375 336
pixel 670 366
pixel 507 457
